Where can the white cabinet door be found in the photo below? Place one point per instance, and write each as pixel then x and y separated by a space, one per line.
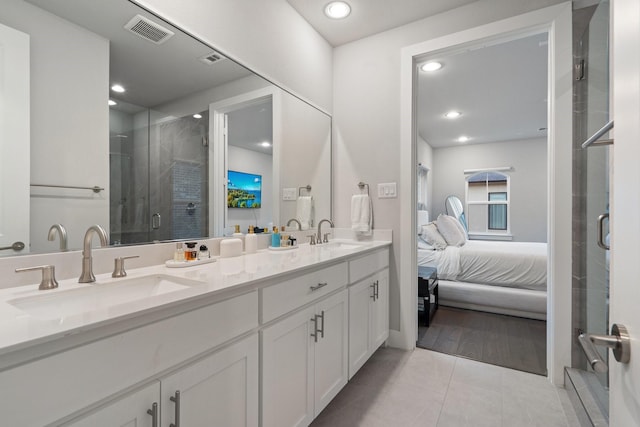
pixel 360 297
pixel 130 410
pixel 331 363
pixel 287 371
pixel 219 390
pixel 368 318
pixel 380 311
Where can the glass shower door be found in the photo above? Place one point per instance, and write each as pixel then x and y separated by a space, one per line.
pixel 591 196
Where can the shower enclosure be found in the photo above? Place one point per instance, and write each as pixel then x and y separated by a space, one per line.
pixel 158 175
pixel 590 204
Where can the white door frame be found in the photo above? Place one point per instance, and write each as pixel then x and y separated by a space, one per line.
pixel 556 20
pixel 218 152
pixel 15 138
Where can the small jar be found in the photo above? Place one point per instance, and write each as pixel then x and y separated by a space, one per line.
pixel 191 253
pixel 204 252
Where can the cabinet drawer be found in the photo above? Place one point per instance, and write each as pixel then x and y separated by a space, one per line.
pixel 367 265
pixel 291 294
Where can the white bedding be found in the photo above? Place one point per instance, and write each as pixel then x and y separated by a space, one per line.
pixel 511 264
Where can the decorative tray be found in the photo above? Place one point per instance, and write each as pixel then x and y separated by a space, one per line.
pixel 181 264
pixel 282 248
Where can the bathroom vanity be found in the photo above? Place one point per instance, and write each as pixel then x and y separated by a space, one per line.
pixel 262 339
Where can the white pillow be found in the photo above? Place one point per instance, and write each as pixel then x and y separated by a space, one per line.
pixel 424 245
pixel 432 236
pixel 451 230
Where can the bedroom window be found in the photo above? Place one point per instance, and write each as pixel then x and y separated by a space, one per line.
pixel 487 200
pixel 497 213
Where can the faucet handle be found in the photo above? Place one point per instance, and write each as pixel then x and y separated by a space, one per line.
pixel 326 238
pixel 48 276
pixel 118 268
pixel 312 239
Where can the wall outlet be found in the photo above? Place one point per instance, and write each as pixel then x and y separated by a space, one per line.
pixel 289 194
pixel 387 190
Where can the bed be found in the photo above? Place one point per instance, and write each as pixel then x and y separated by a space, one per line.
pixel 494 276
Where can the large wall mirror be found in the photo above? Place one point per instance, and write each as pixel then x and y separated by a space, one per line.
pixel 122 119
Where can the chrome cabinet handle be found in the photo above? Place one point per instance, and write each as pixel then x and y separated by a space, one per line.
pixel 377 289
pixel 618 341
pixel 154 414
pixel 373 287
pixel 176 400
pixel 318 286
pixel 314 319
pixel 322 323
pixel 600 231
pixel 156 221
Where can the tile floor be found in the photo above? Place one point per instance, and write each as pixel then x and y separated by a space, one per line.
pixel 425 388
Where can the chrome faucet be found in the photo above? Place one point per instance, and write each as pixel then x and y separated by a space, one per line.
pixel 87 260
pixel 62 233
pixel 319 238
pixel 296 221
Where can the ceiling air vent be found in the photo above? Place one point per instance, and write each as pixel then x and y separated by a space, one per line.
pixel 148 30
pixel 211 58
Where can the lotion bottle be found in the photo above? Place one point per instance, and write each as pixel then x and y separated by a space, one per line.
pixel 237 232
pixel 250 242
pixel 275 238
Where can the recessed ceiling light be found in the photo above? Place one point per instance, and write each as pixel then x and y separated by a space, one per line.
pixel 117 88
pixel 453 114
pixel 463 139
pixel 265 144
pixel 431 66
pixel 337 10
pixel 197 116
pixel 112 103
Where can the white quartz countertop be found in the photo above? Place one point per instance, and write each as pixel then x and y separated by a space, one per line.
pixel 31 318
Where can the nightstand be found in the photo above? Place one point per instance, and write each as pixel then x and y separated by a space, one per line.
pixel 428 291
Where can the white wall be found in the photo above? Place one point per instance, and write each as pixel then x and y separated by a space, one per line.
pixel 81 80
pixel 366 112
pixel 267 36
pixel 243 160
pixel 528 180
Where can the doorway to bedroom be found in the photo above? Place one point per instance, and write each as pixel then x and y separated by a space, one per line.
pixel 481 144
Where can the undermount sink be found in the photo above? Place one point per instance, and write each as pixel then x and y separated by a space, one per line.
pixel 344 245
pixel 61 303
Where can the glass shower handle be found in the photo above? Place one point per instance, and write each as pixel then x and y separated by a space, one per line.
pixel 600 232
pixel 156 221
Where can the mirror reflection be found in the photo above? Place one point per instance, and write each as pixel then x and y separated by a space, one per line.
pixel 133 125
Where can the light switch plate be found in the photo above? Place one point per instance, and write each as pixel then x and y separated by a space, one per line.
pixel 289 194
pixel 387 190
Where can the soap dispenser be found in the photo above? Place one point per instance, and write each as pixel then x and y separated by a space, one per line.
pixel 250 241
pixel 275 238
pixel 237 232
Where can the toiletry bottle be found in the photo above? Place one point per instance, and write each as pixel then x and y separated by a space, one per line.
pixel 178 255
pixel 250 242
pixel 191 254
pixel 204 252
pixel 275 238
pixel 237 232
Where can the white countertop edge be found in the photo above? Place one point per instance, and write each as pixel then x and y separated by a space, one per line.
pixel 19 350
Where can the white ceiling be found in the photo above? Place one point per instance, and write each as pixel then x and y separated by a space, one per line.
pixel 500 90
pixel 153 74
pixel 251 125
pixel 369 17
